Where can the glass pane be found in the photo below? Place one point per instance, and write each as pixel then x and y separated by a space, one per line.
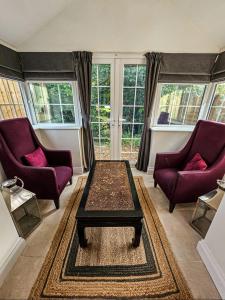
pixel 94 75
pixel 53 93
pixel 95 130
pixel 136 145
pixel 66 93
pixel 138 128
pixel 130 75
pixel 104 113
pixel 42 113
pixel 94 113
pixel 128 114
pixel 104 74
pixel 105 130
pixel 139 115
pixel 128 96
pixel 140 94
pixel 191 116
pixel 55 112
pixel 127 131
pixel 94 95
pixel 104 95
pixel 125 155
pixel 217 114
pixel 134 156
pixel 141 75
pixel 37 93
pixel 126 145
pixel 177 101
pixel 97 149
pixel 105 149
pixel 68 113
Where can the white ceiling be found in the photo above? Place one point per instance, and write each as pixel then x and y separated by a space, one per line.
pixel 113 25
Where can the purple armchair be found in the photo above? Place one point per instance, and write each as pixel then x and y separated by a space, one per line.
pixel 18 138
pixel 208 139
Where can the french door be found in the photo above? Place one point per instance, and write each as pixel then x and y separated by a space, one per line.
pixel 117 107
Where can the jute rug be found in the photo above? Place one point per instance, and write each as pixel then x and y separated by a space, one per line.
pixel 110 268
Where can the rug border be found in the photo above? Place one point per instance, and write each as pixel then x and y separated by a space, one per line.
pixel 161 233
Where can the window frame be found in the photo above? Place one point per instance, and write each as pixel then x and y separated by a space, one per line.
pixel 32 114
pixel 204 108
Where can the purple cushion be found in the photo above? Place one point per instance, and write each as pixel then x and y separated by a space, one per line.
pixel 166 178
pixel 36 158
pixel 63 175
pixel 197 163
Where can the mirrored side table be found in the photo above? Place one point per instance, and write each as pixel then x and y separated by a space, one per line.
pixel 205 210
pixel 25 212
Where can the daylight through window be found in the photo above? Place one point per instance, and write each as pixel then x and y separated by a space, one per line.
pixel 217 109
pixel 11 100
pixel 180 103
pixel 53 102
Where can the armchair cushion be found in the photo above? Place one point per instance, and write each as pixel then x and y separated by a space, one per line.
pixel 36 159
pixel 63 175
pixel 197 163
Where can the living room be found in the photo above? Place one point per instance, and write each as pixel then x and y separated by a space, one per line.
pixel 112 149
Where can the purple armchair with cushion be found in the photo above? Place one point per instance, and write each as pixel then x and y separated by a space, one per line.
pixel 207 139
pixel 17 138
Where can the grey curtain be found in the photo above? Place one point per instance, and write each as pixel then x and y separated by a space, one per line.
pixel 83 65
pixel 153 65
pixel 47 65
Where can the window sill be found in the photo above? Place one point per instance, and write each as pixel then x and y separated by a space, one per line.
pixel 178 128
pixel 57 126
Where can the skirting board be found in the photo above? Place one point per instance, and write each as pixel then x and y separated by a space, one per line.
pixel 10 260
pixel 150 170
pixel 78 170
pixel 214 269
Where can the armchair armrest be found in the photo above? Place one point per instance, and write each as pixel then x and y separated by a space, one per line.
pixel 38 180
pixel 59 157
pixel 168 160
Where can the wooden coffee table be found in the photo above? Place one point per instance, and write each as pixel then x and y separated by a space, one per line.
pixel 109 200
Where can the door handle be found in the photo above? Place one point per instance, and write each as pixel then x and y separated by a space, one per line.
pixel 120 121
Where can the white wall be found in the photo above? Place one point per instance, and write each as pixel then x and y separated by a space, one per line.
pixel 63 139
pixel 10 243
pixel 212 249
pixel 122 26
pixel 166 141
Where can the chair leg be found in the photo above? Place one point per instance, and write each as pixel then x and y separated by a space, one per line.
pixel 71 181
pixel 155 183
pixel 56 201
pixel 172 206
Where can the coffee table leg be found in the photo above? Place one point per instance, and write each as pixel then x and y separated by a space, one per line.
pixel 81 236
pixel 137 236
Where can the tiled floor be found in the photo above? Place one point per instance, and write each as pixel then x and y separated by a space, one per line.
pixel 182 237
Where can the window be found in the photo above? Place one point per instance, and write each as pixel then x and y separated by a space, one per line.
pixel 217 108
pixel 180 104
pixel 133 109
pixel 11 100
pixel 53 102
pixel 101 109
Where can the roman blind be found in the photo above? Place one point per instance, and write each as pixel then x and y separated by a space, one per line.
pixel 186 67
pixel 218 72
pixel 47 65
pixel 10 66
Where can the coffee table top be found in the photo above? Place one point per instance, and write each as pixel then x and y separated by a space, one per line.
pixel 109 191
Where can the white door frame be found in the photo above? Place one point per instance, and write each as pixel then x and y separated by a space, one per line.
pixel 117 62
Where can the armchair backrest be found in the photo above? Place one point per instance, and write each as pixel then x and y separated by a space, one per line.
pixel 208 140
pixel 19 137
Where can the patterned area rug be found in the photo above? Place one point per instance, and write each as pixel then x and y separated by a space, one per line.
pixel 110 268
